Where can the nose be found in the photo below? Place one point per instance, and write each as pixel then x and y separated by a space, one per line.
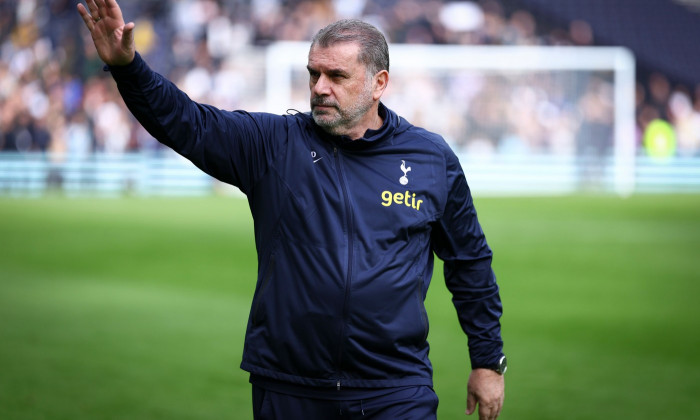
pixel 322 87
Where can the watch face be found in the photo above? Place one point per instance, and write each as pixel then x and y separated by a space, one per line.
pixel 502 365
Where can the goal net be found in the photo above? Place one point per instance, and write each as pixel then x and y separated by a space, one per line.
pixel 522 119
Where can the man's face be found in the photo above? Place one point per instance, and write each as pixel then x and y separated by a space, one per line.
pixel 341 89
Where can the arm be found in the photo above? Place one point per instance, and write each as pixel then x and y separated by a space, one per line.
pixel 234 147
pixel 230 146
pixel 460 242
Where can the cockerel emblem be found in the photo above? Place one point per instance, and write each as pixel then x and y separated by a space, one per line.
pixel 404 179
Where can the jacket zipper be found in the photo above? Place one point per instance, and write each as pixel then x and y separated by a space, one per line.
pixel 350 227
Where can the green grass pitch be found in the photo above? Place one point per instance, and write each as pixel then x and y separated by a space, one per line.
pixel 136 308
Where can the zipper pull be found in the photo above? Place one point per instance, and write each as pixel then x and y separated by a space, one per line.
pixel 338 384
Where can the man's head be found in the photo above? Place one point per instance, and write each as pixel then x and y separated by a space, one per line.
pixel 374 51
pixel 348 72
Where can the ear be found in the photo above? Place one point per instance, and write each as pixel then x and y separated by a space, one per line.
pixel 381 80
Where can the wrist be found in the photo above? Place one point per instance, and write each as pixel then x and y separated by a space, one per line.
pixel 499 365
pixel 126 69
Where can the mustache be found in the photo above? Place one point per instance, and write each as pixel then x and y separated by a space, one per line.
pixel 321 101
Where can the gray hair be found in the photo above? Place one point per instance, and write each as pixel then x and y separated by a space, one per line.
pixel 374 51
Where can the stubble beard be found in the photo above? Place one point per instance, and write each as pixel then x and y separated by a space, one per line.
pixel 341 120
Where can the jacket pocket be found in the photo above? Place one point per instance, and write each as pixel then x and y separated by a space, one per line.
pixel 258 312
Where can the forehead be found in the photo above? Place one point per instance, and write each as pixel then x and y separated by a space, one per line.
pixel 340 55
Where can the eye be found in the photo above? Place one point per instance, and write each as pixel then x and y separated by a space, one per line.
pixel 338 76
pixel 313 75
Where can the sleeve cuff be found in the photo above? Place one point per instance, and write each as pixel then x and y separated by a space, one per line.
pixel 486 356
pixel 132 68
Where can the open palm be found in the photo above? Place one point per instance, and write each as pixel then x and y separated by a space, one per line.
pixel 113 39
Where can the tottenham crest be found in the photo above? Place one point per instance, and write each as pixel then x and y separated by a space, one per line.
pixel 404 179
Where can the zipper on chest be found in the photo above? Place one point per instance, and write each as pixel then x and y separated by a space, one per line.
pixel 348 219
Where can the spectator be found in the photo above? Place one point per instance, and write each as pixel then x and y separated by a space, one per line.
pixel 211 46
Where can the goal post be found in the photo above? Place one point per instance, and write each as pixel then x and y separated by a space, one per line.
pixel 523 119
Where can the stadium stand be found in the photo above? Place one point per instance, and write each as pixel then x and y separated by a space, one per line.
pixel 56 98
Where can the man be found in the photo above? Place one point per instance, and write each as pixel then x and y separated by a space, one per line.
pixel 349 204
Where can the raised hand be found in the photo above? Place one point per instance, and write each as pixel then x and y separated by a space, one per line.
pixel 113 39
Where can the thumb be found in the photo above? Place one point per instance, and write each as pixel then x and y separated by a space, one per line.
pixel 128 36
pixel 471 403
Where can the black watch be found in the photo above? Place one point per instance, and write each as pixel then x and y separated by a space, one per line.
pixel 500 366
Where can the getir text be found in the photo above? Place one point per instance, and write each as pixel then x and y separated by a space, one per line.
pixel 408 199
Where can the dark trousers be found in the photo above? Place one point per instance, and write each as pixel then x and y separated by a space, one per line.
pixel 413 403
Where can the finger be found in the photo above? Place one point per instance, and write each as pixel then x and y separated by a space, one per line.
pixel 86 17
pixel 128 35
pixel 81 10
pixel 483 415
pixel 471 404
pixel 499 408
pixel 110 8
pixel 94 10
pixel 486 412
pixel 101 5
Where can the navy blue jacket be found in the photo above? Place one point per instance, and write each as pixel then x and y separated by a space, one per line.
pixel 345 233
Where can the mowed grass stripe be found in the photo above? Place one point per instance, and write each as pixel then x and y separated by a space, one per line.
pixel 136 308
pixel 600 314
pixel 88 348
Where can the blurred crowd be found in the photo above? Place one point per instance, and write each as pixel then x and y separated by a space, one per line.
pixel 56 97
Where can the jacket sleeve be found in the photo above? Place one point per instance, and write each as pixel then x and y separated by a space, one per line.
pixel 460 242
pixel 234 147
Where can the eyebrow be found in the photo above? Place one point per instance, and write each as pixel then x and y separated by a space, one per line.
pixel 332 72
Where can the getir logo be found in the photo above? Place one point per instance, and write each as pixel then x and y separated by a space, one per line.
pixel 408 199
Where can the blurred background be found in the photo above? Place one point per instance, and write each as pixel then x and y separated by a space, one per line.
pixel 578 126
pixel 64 128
